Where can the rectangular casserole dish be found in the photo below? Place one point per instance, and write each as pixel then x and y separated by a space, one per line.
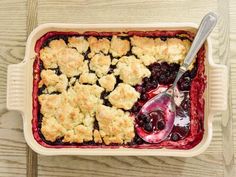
pixel 20 87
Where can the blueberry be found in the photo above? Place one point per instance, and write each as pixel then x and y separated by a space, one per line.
pixel 148 127
pixel 140 123
pixel 154 84
pixel 148 86
pixel 144 97
pixel 167 74
pixel 162 79
pixel 184 83
pixel 185 104
pixel 193 72
pixel 157 66
pixel 186 74
pixel 142 117
pixel 174 67
pixel 172 77
pixel 139 88
pixel 164 66
pixel 146 80
pixel 134 109
pixel 163 38
pixel 144 90
pixel 160 125
pixel 174 137
pixel 153 72
pixel 138 140
pixel 158 73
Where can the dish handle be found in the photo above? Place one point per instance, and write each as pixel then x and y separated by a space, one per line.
pixel 16 87
pixel 218 88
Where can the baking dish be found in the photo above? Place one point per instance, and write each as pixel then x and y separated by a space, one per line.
pixel 20 85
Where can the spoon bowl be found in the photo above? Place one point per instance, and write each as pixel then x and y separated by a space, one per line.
pixel 158 109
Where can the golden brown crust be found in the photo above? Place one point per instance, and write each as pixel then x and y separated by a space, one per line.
pixel 97 136
pixel 87 97
pixel 50 103
pixel 143 46
pixel 88 78
pixel 152 50
pixel 124 96
pixel 79 134
pixel 98 46
pixel 115 126
pixel 53 82
pixel 108 82
pixel 51 129
pixel 131 70
pixel 100 63
pixel 176 50
pixel 119 47
pixel 79 43
pixel 49 54
pixel 71 62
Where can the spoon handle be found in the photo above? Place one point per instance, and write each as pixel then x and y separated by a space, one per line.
pixel 205 28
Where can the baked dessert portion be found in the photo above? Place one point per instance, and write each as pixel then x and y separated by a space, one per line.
pixel 90 87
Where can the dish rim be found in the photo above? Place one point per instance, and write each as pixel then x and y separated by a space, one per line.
pixel 109 151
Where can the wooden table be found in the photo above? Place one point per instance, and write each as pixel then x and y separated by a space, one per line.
pixel 19 17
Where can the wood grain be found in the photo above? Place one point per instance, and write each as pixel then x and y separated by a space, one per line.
pixel 224 53
pixel 19 17
pixel 12 42
pixel 31 23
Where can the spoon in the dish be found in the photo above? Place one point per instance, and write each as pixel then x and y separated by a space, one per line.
pixel 159 112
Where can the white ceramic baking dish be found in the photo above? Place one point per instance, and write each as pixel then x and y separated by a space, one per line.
pixel 20 85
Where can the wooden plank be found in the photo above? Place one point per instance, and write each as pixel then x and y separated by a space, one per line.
pixel 224 52
pixel 232 10
pixel 116 11
pixel 32 157
pixel 12 41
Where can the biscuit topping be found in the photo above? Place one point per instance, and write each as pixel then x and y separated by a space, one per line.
pixel 98 46
pixel 124 96
pixel 49 54
pixel 100 63
pixel 119 47
pixel 108 82
pixel 131 70
pixel 115 125
pixel 79 43
pixel 71 62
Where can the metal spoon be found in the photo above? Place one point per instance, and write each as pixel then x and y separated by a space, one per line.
pixel 163 103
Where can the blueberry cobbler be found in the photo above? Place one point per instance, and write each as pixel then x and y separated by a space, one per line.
pixel 89 88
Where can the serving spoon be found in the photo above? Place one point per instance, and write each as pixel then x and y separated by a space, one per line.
pixel 163 105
